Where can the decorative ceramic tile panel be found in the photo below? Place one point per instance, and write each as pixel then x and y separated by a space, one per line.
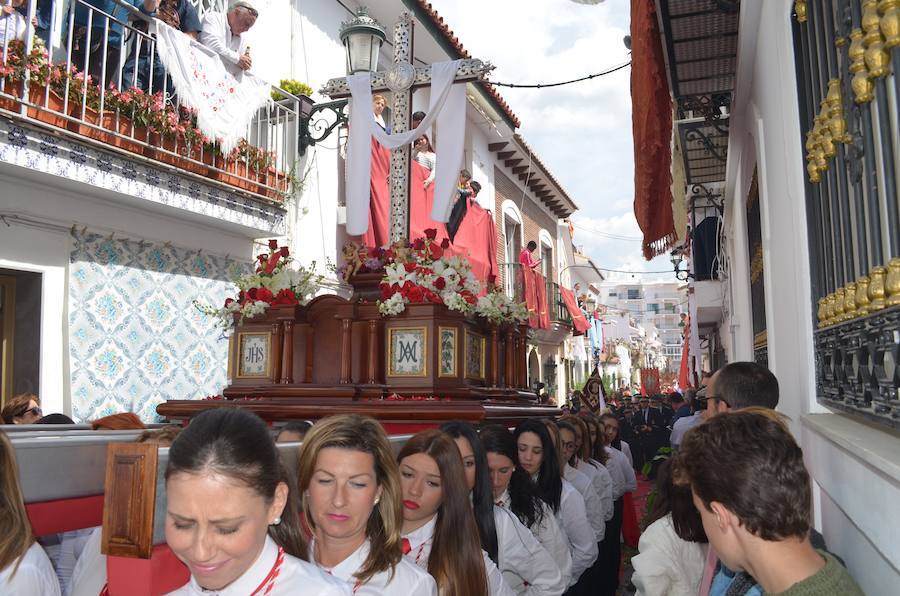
pixel 135 338
pixel 407 352
pixel 81 162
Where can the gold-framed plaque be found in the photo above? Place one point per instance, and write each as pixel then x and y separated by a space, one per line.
pixel 407 352
pixel 447 345
pixel 254 355
pixel 474 361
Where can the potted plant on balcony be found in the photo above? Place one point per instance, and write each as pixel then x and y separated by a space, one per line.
pixel 298 89
pixel 43 104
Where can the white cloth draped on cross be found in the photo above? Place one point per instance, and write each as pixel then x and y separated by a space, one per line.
pixel 447 106
pixel 225 103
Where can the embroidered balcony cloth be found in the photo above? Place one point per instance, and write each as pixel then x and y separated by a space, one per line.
pixel 225 103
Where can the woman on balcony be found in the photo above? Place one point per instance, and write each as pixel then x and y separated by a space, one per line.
pixel 425 157
pixel 351 502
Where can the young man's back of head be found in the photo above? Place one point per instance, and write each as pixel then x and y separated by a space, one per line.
pixel 743 385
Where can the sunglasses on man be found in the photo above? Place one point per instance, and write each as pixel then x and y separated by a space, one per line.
pixel 36 411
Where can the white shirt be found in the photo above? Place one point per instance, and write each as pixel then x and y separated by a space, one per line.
pixel 34 575
pixel 572 517
pixel 621 472
pixel 667 565
pixel 71 545
pixel 295 576
pixel 551 536
pixel 89 575
pixel 12 27
pixel 407 579
pixel 420 542
pixel 602 483
pixel 592 503
pixel 682 425
pixel 215 33
pixel 523 560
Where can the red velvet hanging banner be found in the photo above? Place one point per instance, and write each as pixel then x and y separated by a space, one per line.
pixel 651 119
pixel 378 233
pixel 540 286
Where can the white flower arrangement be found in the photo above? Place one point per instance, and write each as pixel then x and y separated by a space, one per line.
pixel 498 308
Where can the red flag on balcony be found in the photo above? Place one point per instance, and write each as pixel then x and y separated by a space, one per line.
pixel 540 286
pixel 531 298
pixel 651 120
pixel 683 370
pixel 578 320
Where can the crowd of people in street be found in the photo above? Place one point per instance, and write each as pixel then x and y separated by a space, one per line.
pixel 462 510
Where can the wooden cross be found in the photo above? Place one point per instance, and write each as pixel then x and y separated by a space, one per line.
pixel 401 80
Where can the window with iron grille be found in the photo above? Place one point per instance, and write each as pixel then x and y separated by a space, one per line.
pixel 848 110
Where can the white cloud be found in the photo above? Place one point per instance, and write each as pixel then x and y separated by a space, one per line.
pixel 581 131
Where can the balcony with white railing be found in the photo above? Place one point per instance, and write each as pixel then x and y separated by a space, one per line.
pixel 97 106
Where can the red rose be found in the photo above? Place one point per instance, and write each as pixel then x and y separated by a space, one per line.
pixel 431 233
pixel 273 244
pixel 273 262
pixel 285 297
pixel 284 251
pixel 445 243
pixel 419 244
pixel 229 302
pixel 435 298
pixel 386 291
pixel 262 258
pixel 389 254
pixel 410 267
pixel 251 294
pixel 416 294
pixel 436 251
pixel 264 294
pixel 440 283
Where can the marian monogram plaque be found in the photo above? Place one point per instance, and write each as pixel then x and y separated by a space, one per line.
pixel 253 355
pixel 408 352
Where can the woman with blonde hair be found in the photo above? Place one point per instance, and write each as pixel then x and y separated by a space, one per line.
pixel 24 566
pixel 352 503
pixel 439 531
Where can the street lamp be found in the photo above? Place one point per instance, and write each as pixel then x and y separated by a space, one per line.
pixel 681 274
pixel 362 38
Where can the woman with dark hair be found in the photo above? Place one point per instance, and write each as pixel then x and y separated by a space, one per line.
pixel 439 532
pixel 513 489
pixel 519 555
pixel 24 566
pixel 352 503
pixel 231 516
pixel 538 456
pixel 673 546
pixel 596 472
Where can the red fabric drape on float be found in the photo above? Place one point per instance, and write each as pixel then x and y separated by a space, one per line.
pixel 379 232
pixel 578 320
pixel 476 239
pixel 631 532
pixel 649 381
pixel 651 119
pixel 421 200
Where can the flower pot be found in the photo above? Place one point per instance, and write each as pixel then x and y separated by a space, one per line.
pixel 47 106
pixel 128 134
pixel 87 123
pixel 165 150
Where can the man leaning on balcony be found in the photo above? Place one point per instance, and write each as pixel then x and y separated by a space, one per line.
pixel 88 45
pixel 224 34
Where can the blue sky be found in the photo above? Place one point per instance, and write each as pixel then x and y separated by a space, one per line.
pixel 581 131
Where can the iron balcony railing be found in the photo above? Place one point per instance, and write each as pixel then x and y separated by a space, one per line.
pixel 99 78
pixel 514 286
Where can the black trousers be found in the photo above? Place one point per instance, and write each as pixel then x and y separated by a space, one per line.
pixel 606 578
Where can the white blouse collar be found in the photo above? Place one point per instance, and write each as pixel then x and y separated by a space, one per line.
pixel 251 579
pixel 504 500
pixel 346 569
pixel 423 534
